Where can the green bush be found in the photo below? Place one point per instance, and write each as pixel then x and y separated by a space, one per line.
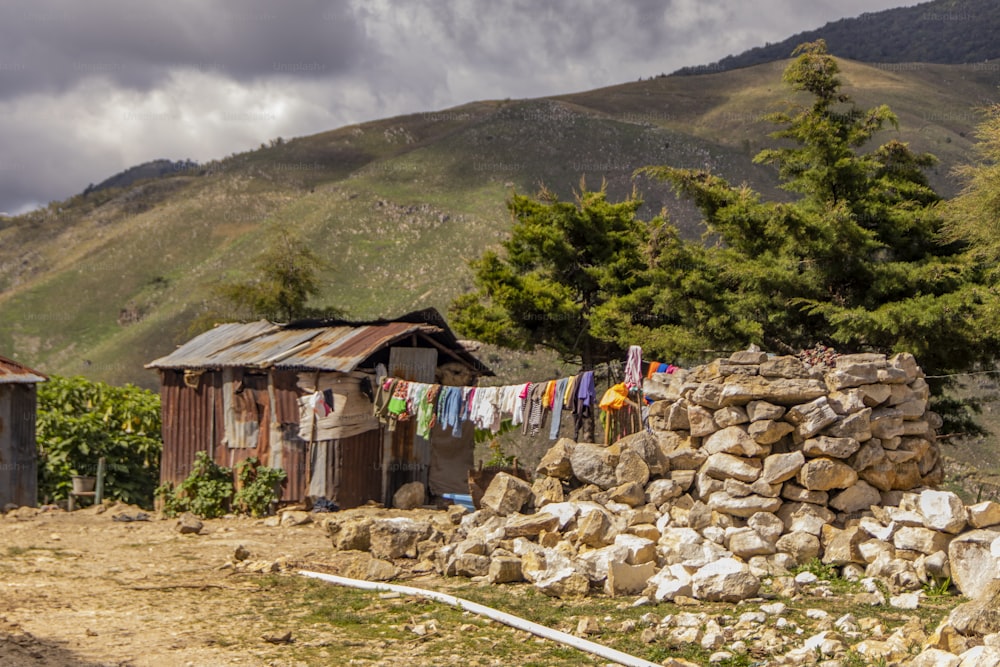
pixel 80 421
pixel 207 491
pixel 259 487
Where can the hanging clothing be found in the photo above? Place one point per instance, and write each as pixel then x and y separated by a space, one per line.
pixel 533 420
pixel 557 407
pixel 615 397
pixel 397 404
pixel 425 410
pixel 633 367
pixel 584 401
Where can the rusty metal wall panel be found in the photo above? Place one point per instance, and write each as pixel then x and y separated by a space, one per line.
pixel 18 449
pixel 190 421
pixel 295 463
pixel 358 477
pixel 286 396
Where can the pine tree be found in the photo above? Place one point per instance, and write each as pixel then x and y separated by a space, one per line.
pixel 856 261
pixel 563 262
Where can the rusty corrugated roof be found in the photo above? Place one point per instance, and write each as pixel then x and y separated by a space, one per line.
pixel 338 346
pixel 12 372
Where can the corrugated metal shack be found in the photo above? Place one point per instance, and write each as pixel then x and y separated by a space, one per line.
pixel 243 390
pixel 18 448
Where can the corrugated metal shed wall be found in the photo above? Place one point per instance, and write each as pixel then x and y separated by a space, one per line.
pixel 193 421
pixel 18 452
pixel 358 466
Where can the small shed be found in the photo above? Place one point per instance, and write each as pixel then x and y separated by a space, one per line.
pixel 18 448
pixel 252 389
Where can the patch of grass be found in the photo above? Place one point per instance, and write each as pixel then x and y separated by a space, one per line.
pixel 817 567
pixel 937 588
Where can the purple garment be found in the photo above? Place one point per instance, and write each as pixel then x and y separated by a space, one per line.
pixel 583 402
pixel 587 392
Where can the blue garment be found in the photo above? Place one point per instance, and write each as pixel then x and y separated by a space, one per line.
pixel 449 410
pixel 557 406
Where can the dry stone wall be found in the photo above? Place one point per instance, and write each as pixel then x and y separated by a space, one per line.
pixel 752 466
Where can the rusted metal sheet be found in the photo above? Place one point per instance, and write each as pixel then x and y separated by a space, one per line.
pixel 18 450
pixel 255 345
pixel 337 347
pixel 192 421
pixel 12 372
pixel 358 462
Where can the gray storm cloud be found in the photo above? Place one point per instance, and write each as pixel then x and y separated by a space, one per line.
pixel 88 89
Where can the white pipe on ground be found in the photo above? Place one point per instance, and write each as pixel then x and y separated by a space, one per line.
pixel 489 612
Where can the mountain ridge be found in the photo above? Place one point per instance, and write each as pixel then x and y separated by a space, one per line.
pixel 938 32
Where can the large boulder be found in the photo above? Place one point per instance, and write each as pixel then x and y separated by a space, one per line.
pixel 823 474
pixel 745 506
pixel 529 525
pixel 973 564
pixel 984 514
pixel 812 417
pixel 724 466
pixel 631 468
pixel 769 431
pixel 545 490
pixel 942 510
pixel 856 498
pixel 397 537
pixel 506 494
pixel 504 570
pixel 594 464
pixel 740 390
pixel 733 440
pixel 724 580
pixel 410 496
pixel 351 535
pixel 626 579
pixel 556 461
pixel 825 445
pixel 782 467
pixel 980 616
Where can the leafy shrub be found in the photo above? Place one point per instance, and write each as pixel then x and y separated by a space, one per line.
pixel 207 491
pixel 259 487
pixel 79 421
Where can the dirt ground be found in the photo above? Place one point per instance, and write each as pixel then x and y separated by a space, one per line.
pixel 85 590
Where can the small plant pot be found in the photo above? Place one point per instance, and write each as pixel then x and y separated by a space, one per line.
pixel 83 483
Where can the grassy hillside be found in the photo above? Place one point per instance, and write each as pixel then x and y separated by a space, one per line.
pixel 102 283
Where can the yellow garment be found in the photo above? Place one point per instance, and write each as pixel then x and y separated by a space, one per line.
pixel 567 399
pixel 615 397
pixel 550 390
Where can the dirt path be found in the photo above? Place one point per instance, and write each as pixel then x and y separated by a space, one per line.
pixel 81 589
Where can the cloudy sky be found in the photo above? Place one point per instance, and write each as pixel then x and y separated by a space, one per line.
pixel 88 89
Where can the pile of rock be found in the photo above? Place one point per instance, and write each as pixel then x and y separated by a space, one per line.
pixel 752 466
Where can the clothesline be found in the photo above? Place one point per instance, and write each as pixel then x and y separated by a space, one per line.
pixel 530 404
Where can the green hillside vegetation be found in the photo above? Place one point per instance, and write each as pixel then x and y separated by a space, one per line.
pixel 102 283
pixel 942 31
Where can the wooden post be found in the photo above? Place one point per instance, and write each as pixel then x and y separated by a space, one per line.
pixel 99 489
